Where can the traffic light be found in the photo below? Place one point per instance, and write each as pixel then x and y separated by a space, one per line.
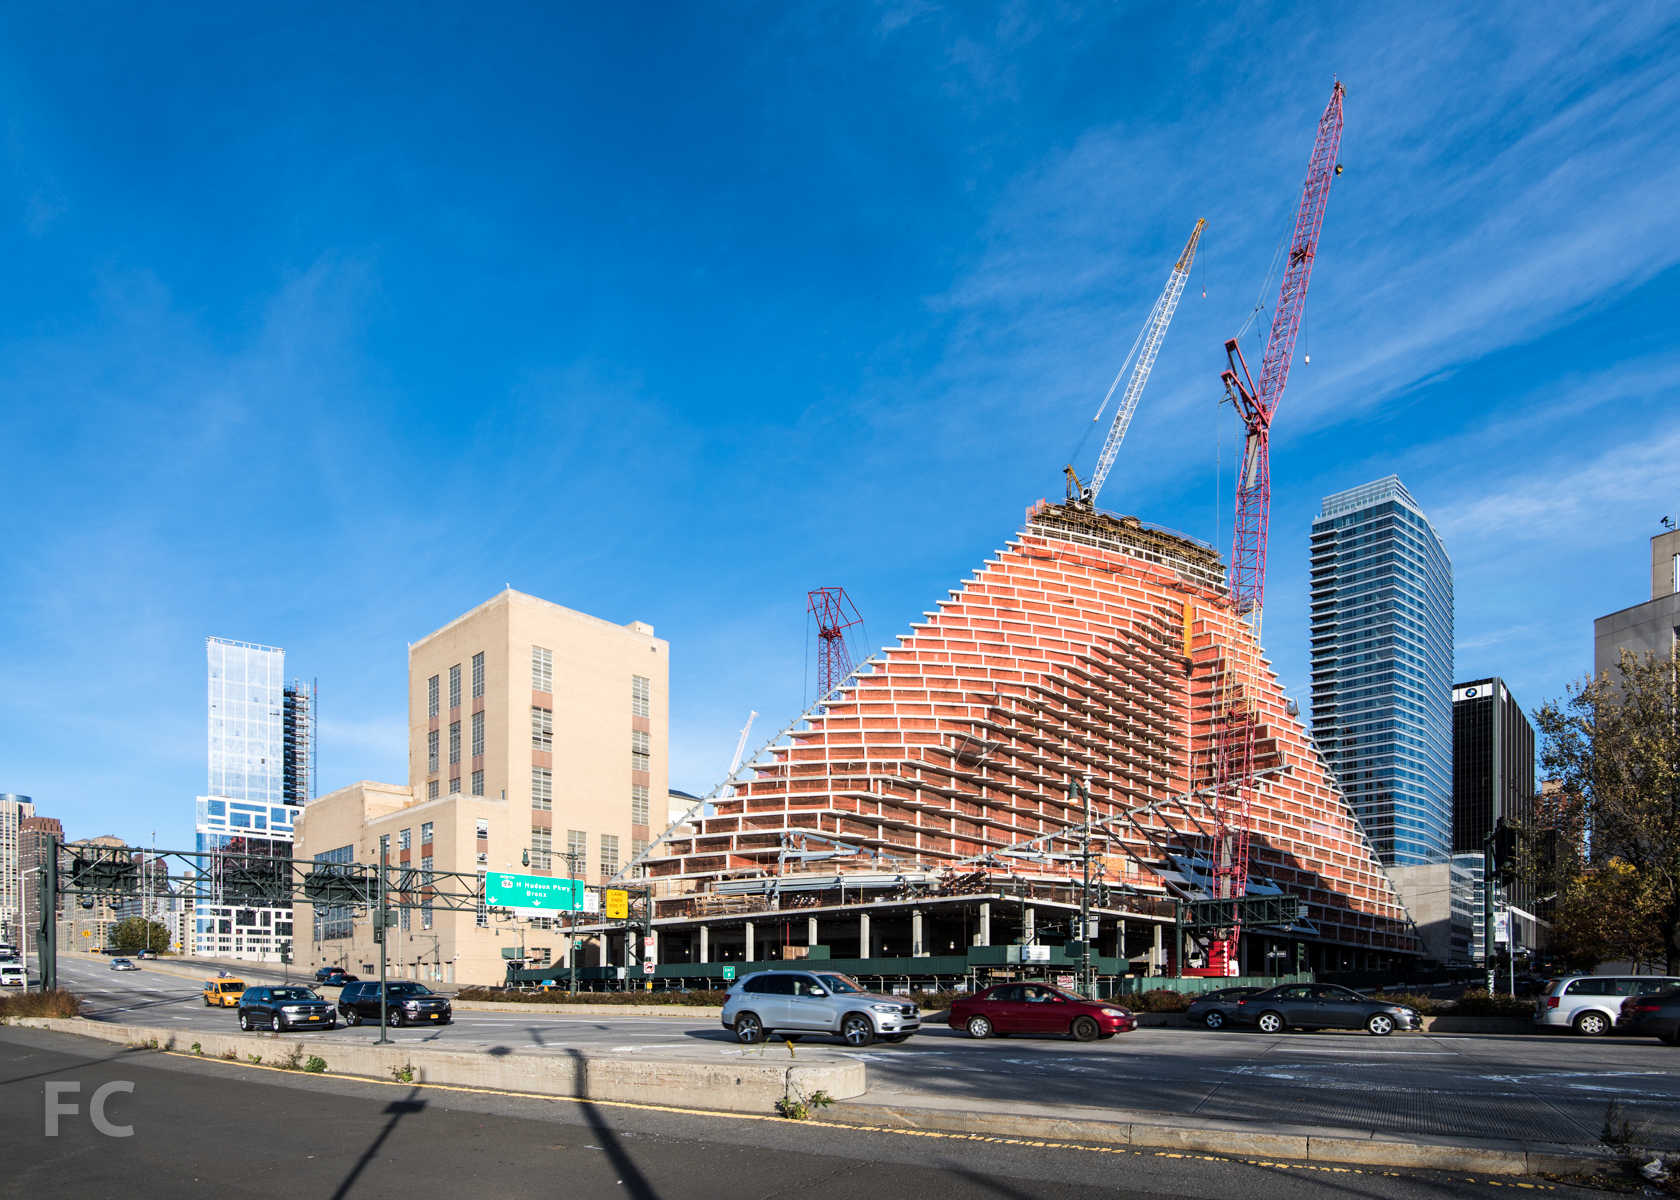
pixel 1505 853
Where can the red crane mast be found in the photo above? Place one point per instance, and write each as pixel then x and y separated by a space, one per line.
pixel 1237 716
pixel 835 613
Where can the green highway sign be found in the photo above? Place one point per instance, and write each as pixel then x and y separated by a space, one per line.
pixel 729 972
pixel 537 894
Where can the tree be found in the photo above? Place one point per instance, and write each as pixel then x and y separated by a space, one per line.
pixel 137 933
pixel 1613 746
pixel 1607 914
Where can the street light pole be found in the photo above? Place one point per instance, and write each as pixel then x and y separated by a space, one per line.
pixel 1085 988
pixel 381 931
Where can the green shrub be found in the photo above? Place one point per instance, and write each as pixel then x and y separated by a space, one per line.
pixel 1427 1005
pixel 1158 1000
pixel 560 996
pixel 316 1065
pixel 1477 1003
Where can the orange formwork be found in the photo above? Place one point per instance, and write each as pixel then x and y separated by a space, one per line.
pixel 1091 644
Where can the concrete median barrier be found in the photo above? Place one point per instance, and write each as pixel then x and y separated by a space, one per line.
pixel 734 1086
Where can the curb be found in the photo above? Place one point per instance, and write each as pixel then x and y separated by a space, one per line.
pixel 1373 1149
pixel 735 1086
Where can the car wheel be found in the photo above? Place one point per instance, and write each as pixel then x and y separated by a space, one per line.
pixel 245 1022
pixel 1084 1029
pixel 394 1018
pixel 206 1002
pixel 1592 1024
pixel 1270 1022
pixel 1669 1039
pixel 352 1018
pixel 1380 1024
pixel 857 1030
pixel 979 1027
pixel 749 1030
pixel 1214 1019
pixel 277 1024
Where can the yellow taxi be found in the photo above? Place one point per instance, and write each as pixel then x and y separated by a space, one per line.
pixel 223 992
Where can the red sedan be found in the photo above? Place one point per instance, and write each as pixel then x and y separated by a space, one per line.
pixel 1038 1008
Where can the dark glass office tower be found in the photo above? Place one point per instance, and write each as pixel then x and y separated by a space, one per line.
pixel 1382 664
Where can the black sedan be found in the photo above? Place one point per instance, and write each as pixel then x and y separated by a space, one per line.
pixel 1322 1006
pixel 1655 1016
pixel 1214 1009
pixel 405 1004
pixel 333 976
pixel 280 1008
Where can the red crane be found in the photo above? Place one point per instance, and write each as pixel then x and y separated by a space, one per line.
pixel 1237 715
pixel 831 606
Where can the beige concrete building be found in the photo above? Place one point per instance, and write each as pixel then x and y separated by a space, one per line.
pixel 537 736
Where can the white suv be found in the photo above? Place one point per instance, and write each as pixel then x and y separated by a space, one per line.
pixel 794 1003
pixel 1590 1004
pixel 12 975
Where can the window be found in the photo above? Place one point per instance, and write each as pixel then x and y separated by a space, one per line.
pixel 483 830
pixel 609 854
pixel 639 743
pixel 542 848
pixel 542 670
pixel 477 734
pixel 404 838
pixel 483 918
pixel 432 696
pixel 384 845
pixel 454 742
pixel 426 877
pixel 426 836
pixel 455 686
pixel 638 804
pixel 432 790
pixel 542 729
pixel 638 847
pixel 542 788
pixel 478 783
pixel 432 752
pixel 402 918
pixel 455 786
pixel 478 675
pixel 333 922
pixel 638 696
pixel 577 852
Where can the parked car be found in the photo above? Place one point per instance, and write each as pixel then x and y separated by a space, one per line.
pixel 334 976
pixel 1656 1015
pixel 281 1008
pixel 406 1003
pixel 1214 1009
pixel 122 964
pixel 1322 1006
pixel 223 991
pixel 792 1004
pixel 1038 1008
pixel 146 954
pixel 13 975
pixel 1590 1004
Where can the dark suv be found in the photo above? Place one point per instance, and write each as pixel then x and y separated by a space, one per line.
pixel 405 1004
pixel 279 1008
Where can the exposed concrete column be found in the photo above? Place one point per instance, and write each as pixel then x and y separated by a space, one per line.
pixel 811 931
pixel 916 950
pixel 1157 955
pixel 1029 928
pixel 750 953
pixel 985 924
pixel 866 944
pixel 705 945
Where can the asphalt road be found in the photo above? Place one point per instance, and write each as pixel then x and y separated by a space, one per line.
pixel 220 1130
pixel 1545 1087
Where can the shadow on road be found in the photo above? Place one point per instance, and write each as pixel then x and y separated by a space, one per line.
pixel 398 1109
pixel 634 1181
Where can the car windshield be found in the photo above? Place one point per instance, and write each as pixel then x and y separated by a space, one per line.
pixel 407 989
pixel 233 987
pixel 293 994
pixel 840 985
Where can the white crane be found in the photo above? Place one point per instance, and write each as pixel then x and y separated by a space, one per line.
pixel 741 745
pixel 1149 339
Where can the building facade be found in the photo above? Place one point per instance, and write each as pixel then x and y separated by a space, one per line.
pixel 538 742
pixel 1382 667
pixel 1493 781
pixel 35 835
pixel 14 811
pixel 1652 627
pixel 1441 898
pixel 245 822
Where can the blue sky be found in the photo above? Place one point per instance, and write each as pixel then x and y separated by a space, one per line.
pixel 320 325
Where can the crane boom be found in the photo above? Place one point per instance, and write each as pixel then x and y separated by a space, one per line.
pixel 1150 339
pixel 1237 715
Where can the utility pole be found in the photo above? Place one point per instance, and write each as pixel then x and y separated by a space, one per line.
pixel 46 941
pixel 571 936
pixel 381 926
pixel 1085 987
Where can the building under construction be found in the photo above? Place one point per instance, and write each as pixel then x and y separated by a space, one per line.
pixel 916 816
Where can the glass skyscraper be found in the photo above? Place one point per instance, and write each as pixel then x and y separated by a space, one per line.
pixel 247 816
pixel 1382 666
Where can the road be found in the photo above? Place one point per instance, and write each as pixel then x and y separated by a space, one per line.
pixel 214 1130
pixel 1545 1087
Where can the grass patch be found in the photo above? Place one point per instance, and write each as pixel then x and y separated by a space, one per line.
pixel 41 1004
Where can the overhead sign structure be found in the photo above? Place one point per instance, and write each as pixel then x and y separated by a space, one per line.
pixel 532 895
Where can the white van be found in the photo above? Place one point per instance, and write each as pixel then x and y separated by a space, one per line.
pixel 13 976
pixel 1590 1004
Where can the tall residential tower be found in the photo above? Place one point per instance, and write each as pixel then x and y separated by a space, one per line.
pixel 1382 665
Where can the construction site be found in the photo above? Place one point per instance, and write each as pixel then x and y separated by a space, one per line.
pixel 1079 759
